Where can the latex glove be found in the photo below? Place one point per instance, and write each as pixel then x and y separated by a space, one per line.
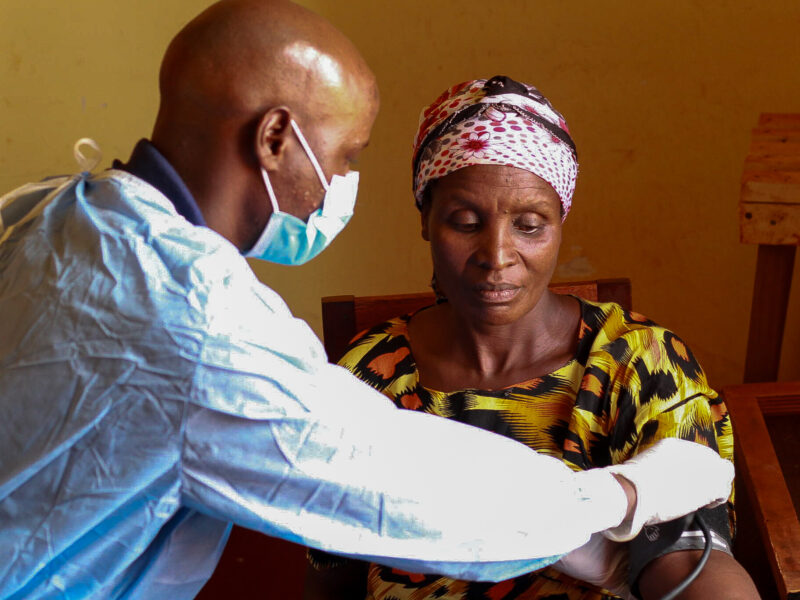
pixel 672 478
pixel 601 562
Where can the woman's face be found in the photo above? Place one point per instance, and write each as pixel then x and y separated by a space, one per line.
pixel 494 233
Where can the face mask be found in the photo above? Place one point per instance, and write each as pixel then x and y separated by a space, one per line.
pixel 288 240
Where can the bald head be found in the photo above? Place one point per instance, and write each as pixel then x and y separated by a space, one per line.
pixel 242 56
pixel 231 66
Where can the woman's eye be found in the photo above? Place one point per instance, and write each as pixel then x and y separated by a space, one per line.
pixel 466 225
pixel 464 221
pixel 528 225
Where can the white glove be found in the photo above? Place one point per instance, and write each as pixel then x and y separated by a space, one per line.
pixel 600 562
pixel 672 478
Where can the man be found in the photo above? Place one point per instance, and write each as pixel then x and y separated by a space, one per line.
pixel 152 391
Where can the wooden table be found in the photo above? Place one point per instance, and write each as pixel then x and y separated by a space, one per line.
pixel 769 215
pixel 766 423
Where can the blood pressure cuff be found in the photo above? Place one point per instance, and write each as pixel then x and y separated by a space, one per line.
pixel 680 534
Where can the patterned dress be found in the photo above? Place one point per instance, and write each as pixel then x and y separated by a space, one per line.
pixel 630 384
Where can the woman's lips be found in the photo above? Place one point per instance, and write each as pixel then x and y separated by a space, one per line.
pixel 496 292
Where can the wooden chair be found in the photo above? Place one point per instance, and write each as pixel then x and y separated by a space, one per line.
pixel 765 420
pixel 255 565
pixel 345 316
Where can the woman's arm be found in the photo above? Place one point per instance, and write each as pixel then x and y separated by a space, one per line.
pixel 722 577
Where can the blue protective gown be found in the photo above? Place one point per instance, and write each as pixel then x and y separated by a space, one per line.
pixel 152 391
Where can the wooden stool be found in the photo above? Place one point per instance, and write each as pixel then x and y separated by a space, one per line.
pixel 769 215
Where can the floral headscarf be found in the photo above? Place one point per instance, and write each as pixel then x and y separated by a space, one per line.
pixel 496 121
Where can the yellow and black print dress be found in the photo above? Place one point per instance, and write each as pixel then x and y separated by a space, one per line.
pixel 630 383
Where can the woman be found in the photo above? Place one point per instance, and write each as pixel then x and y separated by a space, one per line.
pixel 591 384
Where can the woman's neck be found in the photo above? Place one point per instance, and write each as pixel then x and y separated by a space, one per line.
pixel 455 353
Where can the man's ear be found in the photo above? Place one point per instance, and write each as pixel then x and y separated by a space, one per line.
pixel 273 130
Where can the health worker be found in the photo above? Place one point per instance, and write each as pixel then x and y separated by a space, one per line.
pixel 153 391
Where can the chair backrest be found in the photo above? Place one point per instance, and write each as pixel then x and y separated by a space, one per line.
pixel 345 316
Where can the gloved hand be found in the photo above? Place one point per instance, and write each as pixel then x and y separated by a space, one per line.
pixel 672 478
pixel 600 562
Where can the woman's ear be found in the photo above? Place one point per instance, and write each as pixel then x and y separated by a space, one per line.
pixel 273 130
pixel 424 212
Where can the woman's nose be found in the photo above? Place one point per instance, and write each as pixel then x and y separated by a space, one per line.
pixel 495 249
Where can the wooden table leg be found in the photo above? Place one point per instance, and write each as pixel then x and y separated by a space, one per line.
pixel 773 282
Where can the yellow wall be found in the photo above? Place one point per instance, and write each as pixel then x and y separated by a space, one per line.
pixel 660 97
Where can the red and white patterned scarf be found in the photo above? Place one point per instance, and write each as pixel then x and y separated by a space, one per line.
pixel 495 122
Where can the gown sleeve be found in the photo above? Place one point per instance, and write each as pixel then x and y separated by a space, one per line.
pixel 278 440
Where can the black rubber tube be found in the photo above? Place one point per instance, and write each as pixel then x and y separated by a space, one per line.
pixel 681 587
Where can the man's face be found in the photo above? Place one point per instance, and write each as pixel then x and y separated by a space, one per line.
pixel 336 133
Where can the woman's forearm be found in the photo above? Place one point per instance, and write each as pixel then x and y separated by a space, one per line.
pixel 722 577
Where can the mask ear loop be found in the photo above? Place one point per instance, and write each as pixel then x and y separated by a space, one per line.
pixel 310 154
pixel 87 163
pixel 270 191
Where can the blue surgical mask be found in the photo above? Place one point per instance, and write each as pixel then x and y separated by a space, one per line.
pixel 290 241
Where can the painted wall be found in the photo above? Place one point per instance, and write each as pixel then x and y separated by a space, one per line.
pixel 660 97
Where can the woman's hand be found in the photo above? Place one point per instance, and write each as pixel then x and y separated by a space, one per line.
pixel 600 562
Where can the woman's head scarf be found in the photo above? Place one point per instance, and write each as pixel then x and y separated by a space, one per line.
pixel 495 122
